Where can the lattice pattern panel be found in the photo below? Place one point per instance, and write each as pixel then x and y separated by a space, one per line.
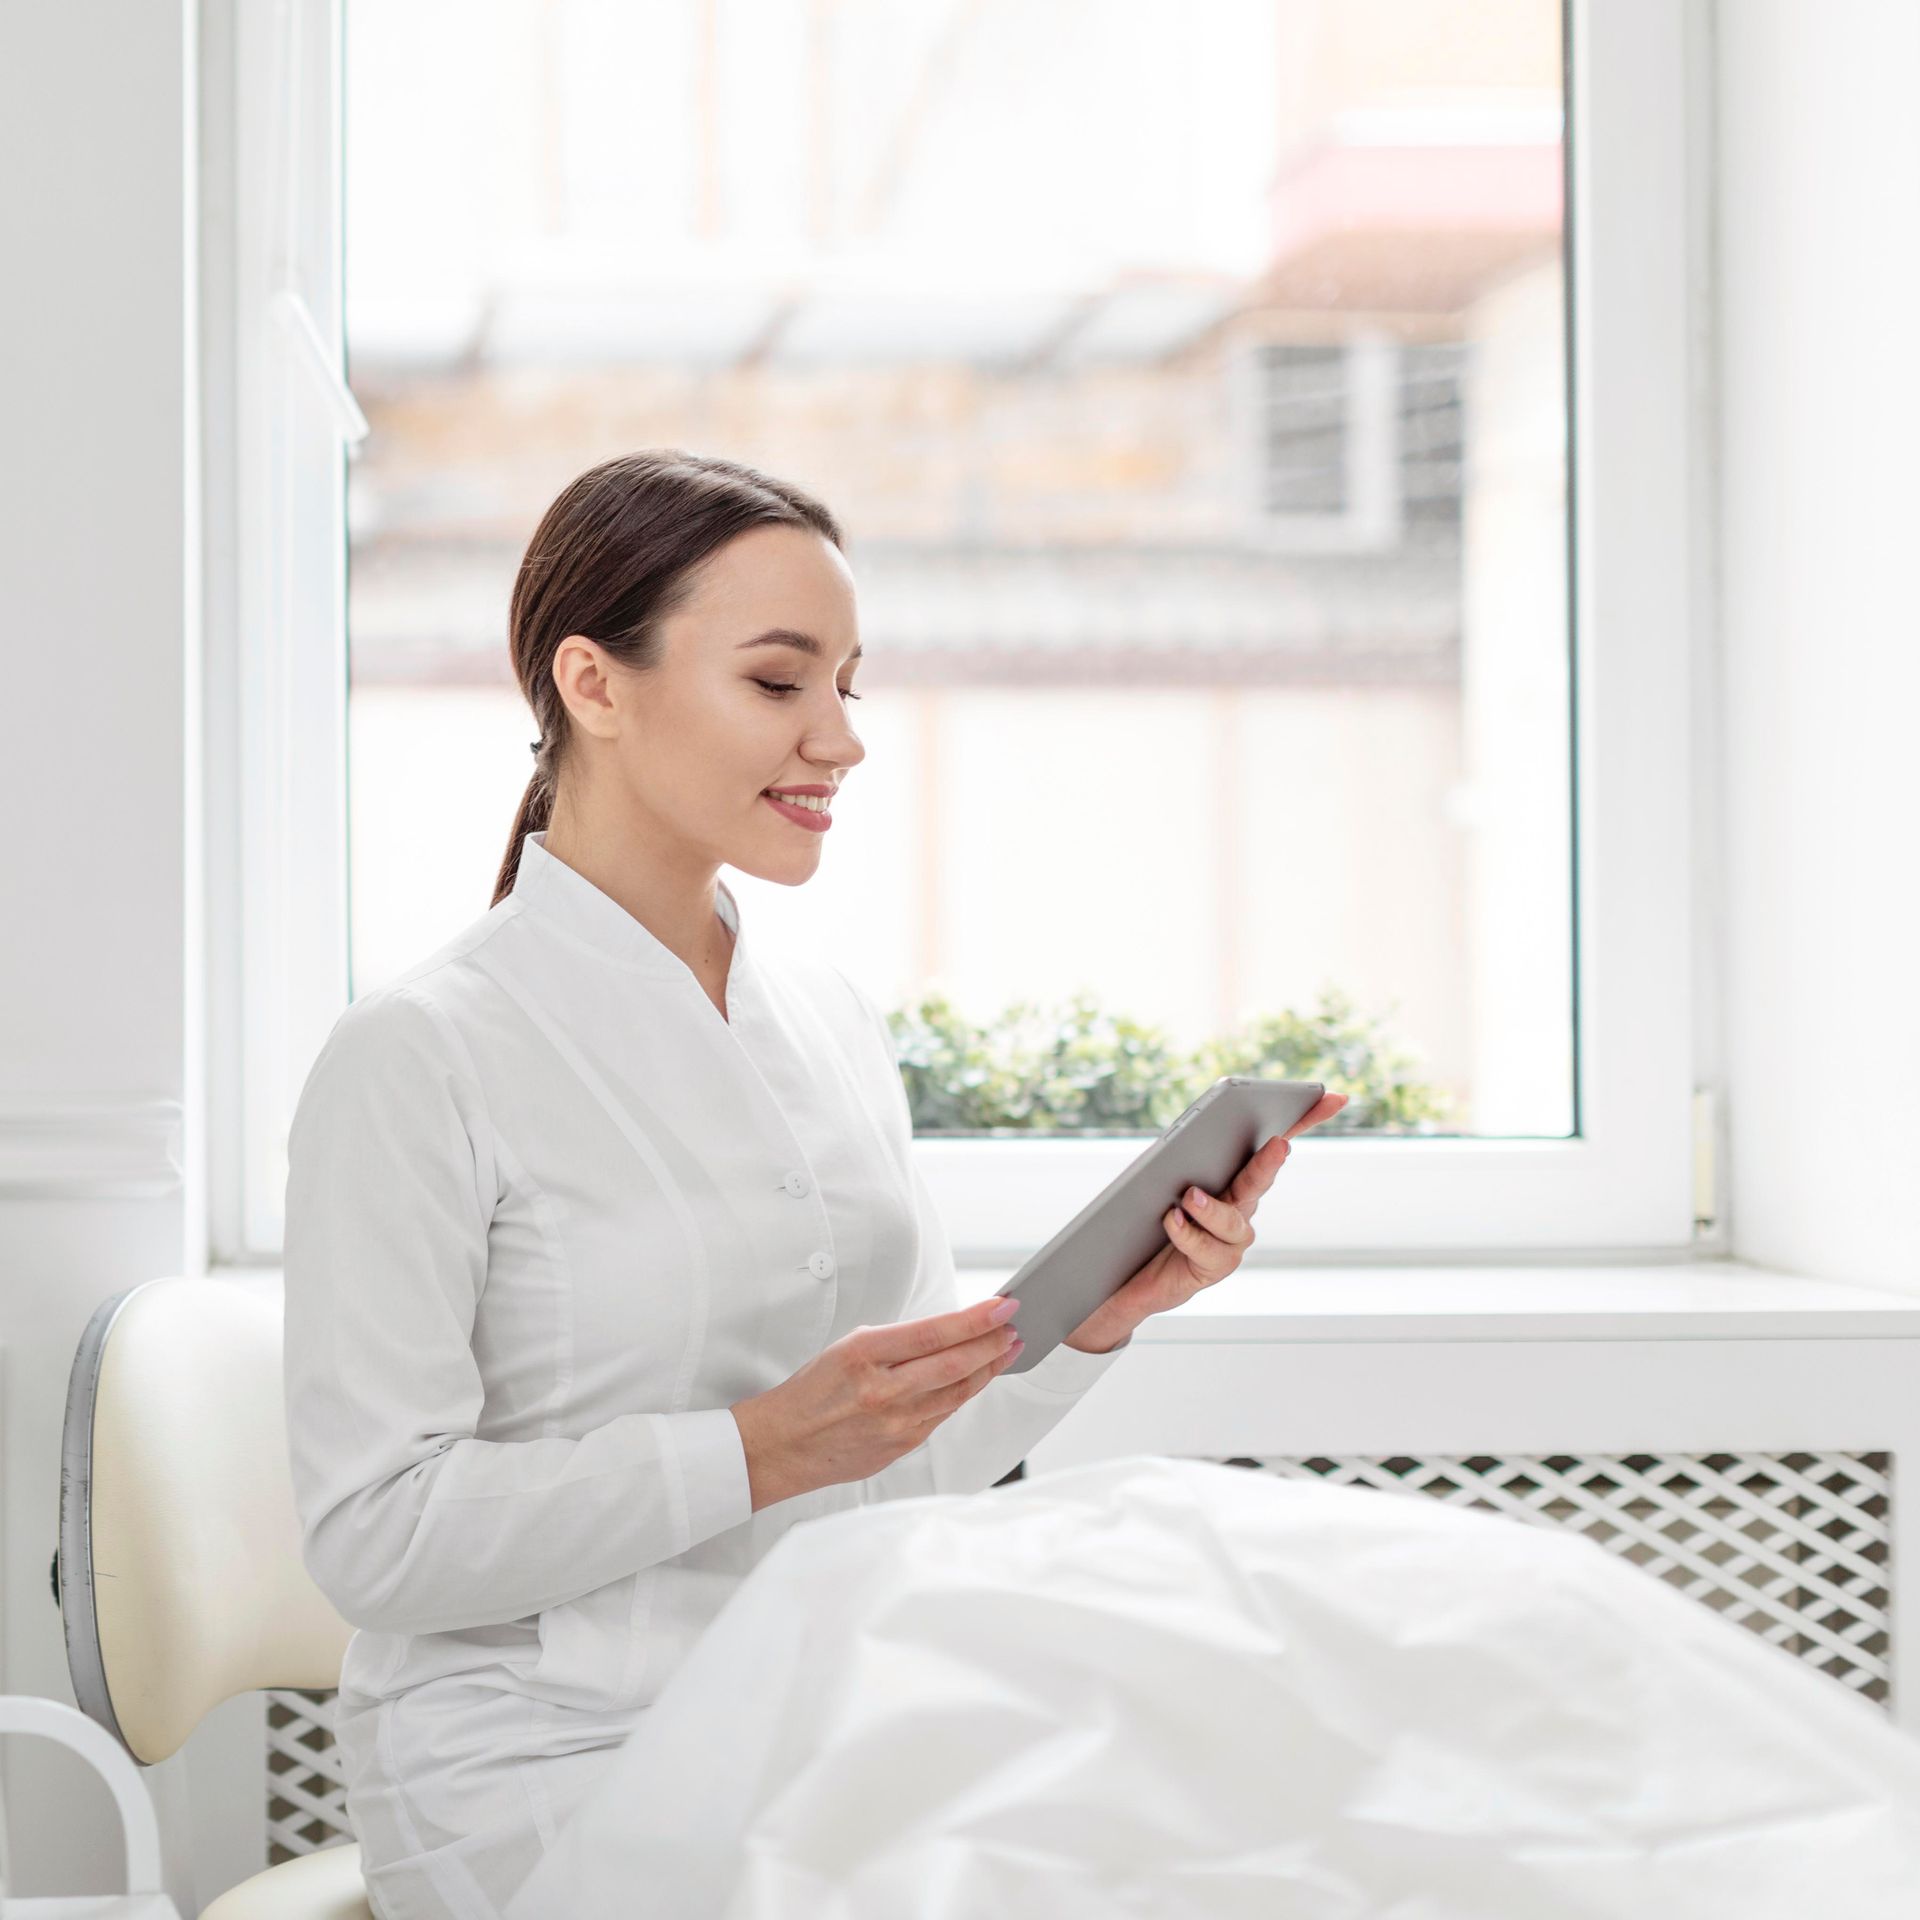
pixel 306 1791
pixel 1794 1546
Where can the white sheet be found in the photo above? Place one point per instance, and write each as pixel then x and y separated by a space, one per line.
pixel 1166 1687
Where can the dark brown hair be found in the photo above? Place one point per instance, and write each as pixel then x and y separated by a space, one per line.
pixel 611 558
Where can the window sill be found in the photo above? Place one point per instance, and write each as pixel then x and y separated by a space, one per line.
pixel 1699 1300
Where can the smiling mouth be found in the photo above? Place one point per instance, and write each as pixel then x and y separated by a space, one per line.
pixel 817 818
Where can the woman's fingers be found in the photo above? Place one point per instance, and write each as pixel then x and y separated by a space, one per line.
pixel 1259 1174
pixel 937 1370
pixel 1211 1259
pixel 1221 1218
pixel 914 1339
pixel 1323 1109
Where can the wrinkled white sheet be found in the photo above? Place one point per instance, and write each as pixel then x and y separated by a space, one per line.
pixel 1165 1687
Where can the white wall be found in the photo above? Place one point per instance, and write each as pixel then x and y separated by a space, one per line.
pixel 1819 155
pixel 98 973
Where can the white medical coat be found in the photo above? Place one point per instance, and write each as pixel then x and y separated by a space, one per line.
pixel 548 1215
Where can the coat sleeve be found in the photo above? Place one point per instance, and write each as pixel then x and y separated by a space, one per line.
pixel 410 1521
pixel 986 1437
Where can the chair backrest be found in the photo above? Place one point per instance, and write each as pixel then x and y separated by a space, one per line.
pixel 181 1582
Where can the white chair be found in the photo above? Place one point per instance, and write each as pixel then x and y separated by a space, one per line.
pixel 143 1899
pixel 174 1481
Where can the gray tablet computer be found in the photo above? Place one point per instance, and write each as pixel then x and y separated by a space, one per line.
pixel 1115 1234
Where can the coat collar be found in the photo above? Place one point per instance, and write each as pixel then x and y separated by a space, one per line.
pixel 564 895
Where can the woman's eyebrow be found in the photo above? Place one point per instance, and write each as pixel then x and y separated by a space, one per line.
pixel 787 637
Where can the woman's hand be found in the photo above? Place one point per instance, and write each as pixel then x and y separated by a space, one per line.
pixel 873 1395
pixel 1207 1237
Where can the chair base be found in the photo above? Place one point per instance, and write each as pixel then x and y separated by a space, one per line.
pixel 317 1886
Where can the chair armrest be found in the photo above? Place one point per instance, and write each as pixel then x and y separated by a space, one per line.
pixel 55 1720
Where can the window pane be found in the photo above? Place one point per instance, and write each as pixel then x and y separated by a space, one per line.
pixel 1191 382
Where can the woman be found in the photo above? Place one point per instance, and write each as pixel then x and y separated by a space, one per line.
pixel 607 1260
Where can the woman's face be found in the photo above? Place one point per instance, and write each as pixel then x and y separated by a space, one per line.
pixel 697 741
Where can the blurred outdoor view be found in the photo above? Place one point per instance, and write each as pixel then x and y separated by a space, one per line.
pixel 1189 376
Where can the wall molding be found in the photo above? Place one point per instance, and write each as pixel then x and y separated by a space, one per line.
pixel 90 1147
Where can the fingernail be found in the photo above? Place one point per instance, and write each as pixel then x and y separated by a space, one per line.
pixel 1005 1310
pixel 1195 1198
pixel 1018 1343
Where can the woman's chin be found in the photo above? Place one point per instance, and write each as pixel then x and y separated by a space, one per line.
pixel 788 867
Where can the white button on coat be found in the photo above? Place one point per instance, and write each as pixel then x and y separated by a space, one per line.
pixel 533 1254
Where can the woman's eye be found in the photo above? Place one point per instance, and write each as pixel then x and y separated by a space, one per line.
pixel 783 686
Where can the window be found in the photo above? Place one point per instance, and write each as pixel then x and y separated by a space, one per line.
pixel 1358 444
pixel 1253 411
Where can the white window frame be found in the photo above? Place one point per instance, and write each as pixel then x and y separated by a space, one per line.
pixel 1627 1188
pixel 279 422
